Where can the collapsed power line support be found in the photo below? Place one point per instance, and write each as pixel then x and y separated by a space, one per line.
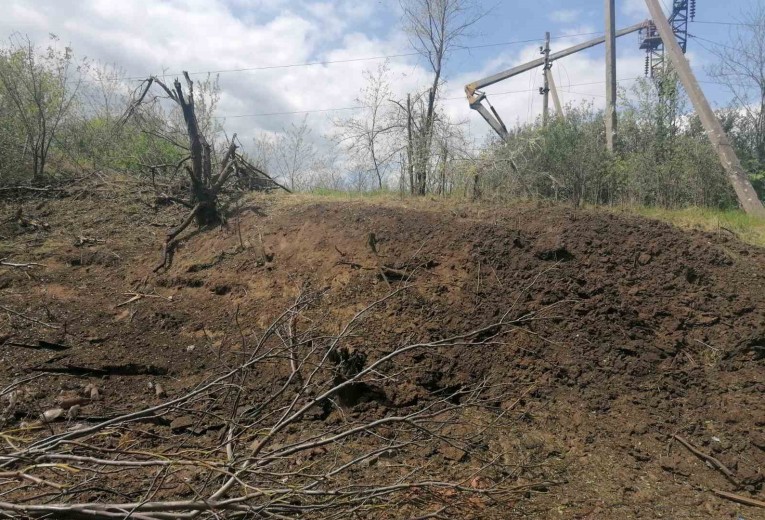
pixel 611 118
pixel 748 198
pixel 554 91
pixel 545 90
pixel 475 96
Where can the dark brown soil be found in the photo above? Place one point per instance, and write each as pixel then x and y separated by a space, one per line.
pixel 644 331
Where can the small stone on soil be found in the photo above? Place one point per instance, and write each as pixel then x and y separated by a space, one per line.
pixel 182 423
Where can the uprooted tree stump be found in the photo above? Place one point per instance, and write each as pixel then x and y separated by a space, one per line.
pixel 206 186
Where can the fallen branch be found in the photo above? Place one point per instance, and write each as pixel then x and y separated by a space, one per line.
pixel 32 188
pixel 372 243
pixel 29 318
pixel 738 498
pixel 83 240
pixel 719 466
pixel 276 460
pixel 20 266
pixel 384 269
pixel 354 265
pixel 134 296
pixel 31 478
pixel 249 166
pixel 162 197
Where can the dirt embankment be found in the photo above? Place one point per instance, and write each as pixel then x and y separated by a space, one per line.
pixel 640 336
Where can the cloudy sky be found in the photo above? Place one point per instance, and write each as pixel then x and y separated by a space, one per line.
pixel 275 39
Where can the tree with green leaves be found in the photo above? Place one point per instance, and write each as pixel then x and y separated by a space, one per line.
pixel 39 88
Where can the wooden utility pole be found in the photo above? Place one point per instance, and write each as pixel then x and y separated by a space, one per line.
pixel 611 120
pixel 748 198
pixel 554 92
pixel 546 88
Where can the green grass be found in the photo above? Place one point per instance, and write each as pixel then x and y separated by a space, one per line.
pixel 748 228
pixel 351 195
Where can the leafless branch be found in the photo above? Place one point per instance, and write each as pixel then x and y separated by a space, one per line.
pixel 275 459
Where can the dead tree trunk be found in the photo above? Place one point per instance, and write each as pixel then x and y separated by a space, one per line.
pixel 203 193
pixel 409 144
pixel 205 187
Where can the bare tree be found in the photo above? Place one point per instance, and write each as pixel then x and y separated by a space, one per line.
pixel 365 137
pixel 407 121
pixel 294 155
pixel 435 28
pixel 327 171
pixel 359 177
pixel 741 68
pixel 205 185
pixel 263 151
pixel 42 86
pixel 90 137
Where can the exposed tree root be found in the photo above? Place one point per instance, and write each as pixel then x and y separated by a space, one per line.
pixel 167 248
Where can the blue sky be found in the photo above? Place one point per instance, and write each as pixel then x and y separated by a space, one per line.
pixel 149 36
pixel 531 19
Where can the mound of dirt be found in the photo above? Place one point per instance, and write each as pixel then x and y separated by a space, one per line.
pixel 628 342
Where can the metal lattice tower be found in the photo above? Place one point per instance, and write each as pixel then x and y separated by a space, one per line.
pixel 658 67
pixel 682 12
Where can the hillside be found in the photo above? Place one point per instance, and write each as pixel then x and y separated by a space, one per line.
pixel 596 348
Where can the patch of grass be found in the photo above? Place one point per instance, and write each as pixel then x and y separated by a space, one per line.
pixel 748 228
pixel 391 198
pixel 355 195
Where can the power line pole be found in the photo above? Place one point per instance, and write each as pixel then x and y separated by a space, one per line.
pixel 545 91
pixel 611 120
pixel 748 198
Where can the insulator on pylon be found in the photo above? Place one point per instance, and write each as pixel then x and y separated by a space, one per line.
pixel 647 64
pixel 693 9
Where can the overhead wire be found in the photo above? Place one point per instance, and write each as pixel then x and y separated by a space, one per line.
pixel 350 60
pixel 360 107
pixel 723 83
pixel 567 90
pixel 695 37
pixel 728 23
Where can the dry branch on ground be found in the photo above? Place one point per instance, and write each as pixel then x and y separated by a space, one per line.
pixel 272 458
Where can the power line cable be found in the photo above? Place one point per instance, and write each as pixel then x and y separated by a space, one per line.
pixel 494 94
pixel 350 60
pixel 728 23
pixel 293 112
pixel 360 107
pixel 713 43
pixel 723 83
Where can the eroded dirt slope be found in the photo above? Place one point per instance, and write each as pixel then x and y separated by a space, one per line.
pixel 640 332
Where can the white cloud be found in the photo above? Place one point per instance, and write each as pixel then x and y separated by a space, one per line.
pixel 149 36
pixel 638 8
pixel 634 8
pixel 565 15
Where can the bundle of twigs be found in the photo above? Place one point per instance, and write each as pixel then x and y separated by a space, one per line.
pixel 299 427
